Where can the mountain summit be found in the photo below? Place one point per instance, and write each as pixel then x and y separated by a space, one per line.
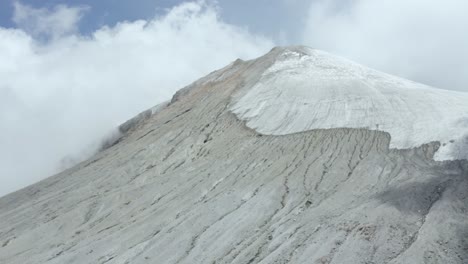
pixel 295 157
pixel 305 89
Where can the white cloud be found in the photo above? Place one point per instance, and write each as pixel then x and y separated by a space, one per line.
pixel 60 21
pixel 422 40
pixel 58 98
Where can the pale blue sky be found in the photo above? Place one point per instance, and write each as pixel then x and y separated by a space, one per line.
pixel 277 19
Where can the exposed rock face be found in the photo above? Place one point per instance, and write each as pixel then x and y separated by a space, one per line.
pixel 193 184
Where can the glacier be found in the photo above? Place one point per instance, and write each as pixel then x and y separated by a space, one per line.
pixel 306 89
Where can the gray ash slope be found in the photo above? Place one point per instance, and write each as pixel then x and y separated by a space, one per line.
pixel 192 184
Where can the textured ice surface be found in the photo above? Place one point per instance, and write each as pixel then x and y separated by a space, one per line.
pixel 307 89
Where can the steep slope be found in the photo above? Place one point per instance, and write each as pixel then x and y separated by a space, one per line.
pixel 193 184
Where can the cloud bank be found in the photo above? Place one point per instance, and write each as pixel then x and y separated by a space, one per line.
pixel 425 41
pixel 60 95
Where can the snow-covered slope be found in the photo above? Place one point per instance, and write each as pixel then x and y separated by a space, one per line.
pixel 307 89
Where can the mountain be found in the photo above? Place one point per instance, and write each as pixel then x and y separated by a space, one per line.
pixel 295 157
